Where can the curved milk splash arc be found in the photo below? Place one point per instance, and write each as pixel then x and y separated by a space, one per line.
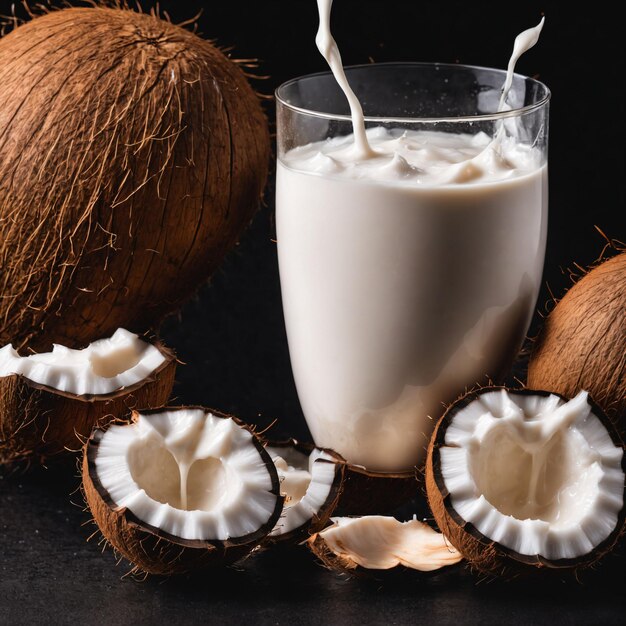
pixel 523 43
pixel 362 148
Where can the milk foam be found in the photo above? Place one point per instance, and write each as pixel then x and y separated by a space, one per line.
pixel 417 158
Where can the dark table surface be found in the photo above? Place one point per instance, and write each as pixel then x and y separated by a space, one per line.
pixel 51 574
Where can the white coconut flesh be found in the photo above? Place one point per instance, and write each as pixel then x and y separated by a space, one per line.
pixel 380 542
pixel 306 482
pixel 188 473
pixel 534 473
pixel 103 367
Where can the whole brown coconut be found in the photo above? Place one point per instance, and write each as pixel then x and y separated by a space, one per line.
pixel 583 342
pixel 132 155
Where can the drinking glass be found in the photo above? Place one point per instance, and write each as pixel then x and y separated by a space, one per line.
pixel 397 298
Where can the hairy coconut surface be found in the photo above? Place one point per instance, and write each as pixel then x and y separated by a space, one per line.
pixel 583 342
pixel 152 550
pixel 38 422
pixel 132 155
pixel 484 553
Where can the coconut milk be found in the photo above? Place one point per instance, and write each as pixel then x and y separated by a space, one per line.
pixel 410 264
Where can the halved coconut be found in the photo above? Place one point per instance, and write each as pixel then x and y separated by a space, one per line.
pixel 50 402
pixel 181 488
pixel 377 542
pixel 520 480
pixel 311 480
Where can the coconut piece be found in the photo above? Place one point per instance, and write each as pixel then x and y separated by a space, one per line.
pixel 311 481
pixel 367 492
pixel 376 542
pixel 583 342
pixel 132 155
pixel 525 480
pixel 181 488
pixel 50 402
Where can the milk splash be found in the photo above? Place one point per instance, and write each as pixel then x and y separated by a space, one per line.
pixel 362 149
pixel 523 43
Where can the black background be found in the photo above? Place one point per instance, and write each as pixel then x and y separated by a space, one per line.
pixel 232 339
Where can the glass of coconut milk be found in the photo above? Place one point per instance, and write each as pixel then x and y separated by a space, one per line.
pixel 410 261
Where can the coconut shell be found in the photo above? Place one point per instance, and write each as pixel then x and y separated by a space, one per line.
pixel 38 422
pixel 482 553
pixel 321 519
pixel 583 342
pixel 132 155
pixel 337 562
pixel 375 493
pixel 150 549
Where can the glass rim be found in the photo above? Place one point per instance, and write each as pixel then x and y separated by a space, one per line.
pixel 404 120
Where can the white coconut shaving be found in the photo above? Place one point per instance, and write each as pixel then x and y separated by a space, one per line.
pixel 380 542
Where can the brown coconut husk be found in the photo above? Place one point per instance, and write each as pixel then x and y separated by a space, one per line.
pixel 150 549
pixel 583 342
pixel 132 155
pixel 483 553
pixel 38 422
